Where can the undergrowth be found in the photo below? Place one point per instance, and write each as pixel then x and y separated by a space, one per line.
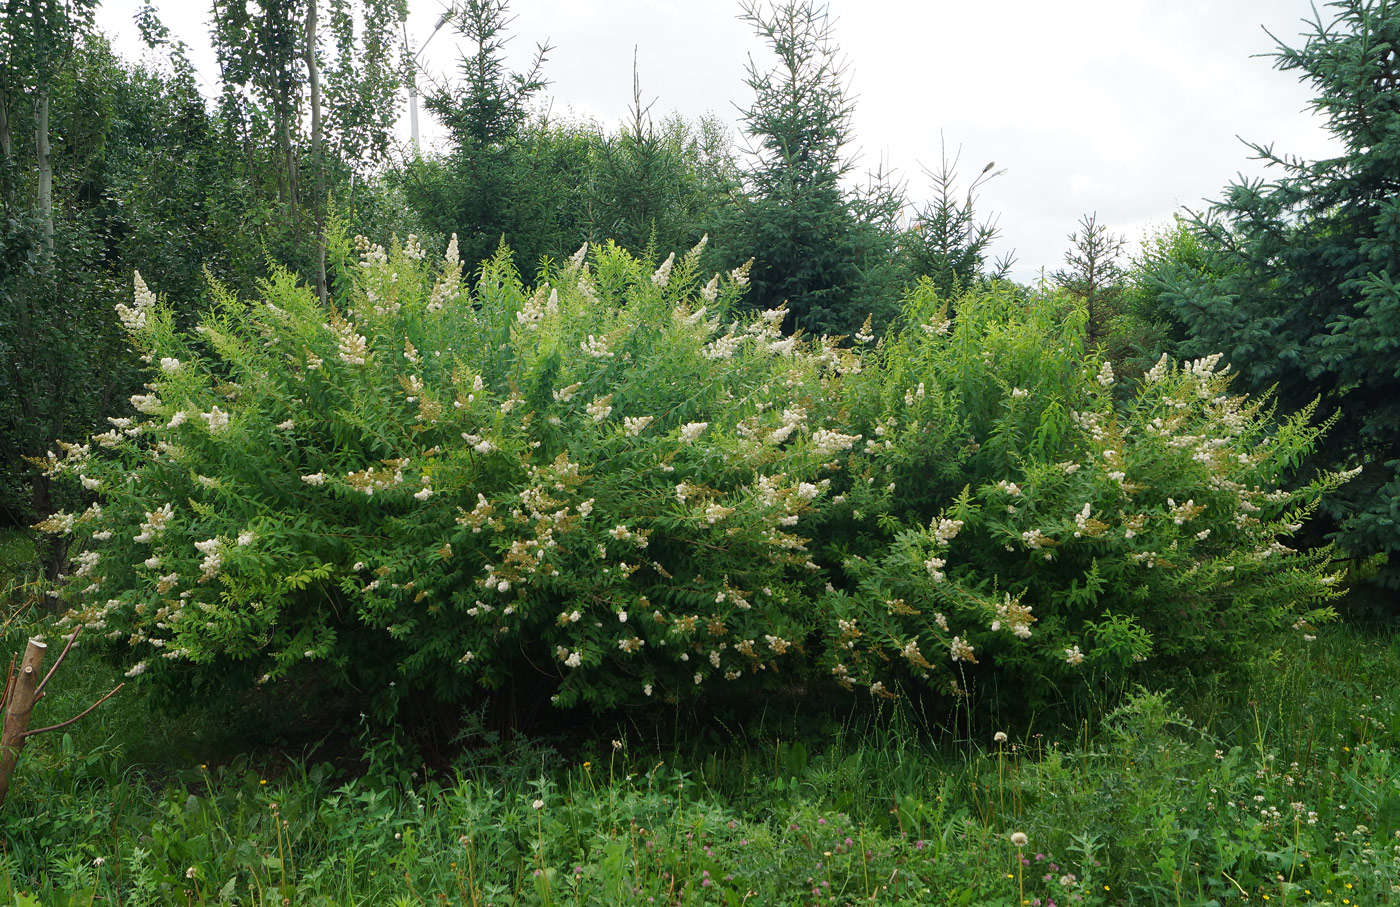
pixel 1283 791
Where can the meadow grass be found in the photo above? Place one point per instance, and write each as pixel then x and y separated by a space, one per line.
pixel 1283 790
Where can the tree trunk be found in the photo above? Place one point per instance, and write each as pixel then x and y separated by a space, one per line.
pixel 43 155
pixel 313 73
pixel 6 151
pixel 21 705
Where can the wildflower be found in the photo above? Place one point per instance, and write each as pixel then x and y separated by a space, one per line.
pixel 287 425
pixel 191 872
pixel 716 512
pixel 565 394
pixel 177 420
pixel 213 558
pixel 946 531
pixel 635 425
pixel 137 669
pixel 134 318
pixel 316 478
pixel 1073 656
pixel 1000 737
pixel 663 273
pixel 960 650
pixel 574 660
pixel 169 364
pixel 600 408
pixel 217 419
pixel 597 347
pixel 1019 839
pixel 424 494
pixel 828 442
pixel 692 430
pixel 1019 392
pixel 1034 538
pixel 865 335
pixel 723 347
pixel 934 567
pixel 1105 377
pixel 538 804
pixel 352 346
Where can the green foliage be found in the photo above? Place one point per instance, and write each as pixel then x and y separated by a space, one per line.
pixel 599 491
pixel 947 244
pixel 497 181
pixel 440 490
pixel 1094 275
pixel 1291 796
pixel 1300 291
pixel 661 186
pixel 1008 514
pixel 813 247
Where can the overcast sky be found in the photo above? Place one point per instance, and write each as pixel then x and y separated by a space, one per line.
pixel 1127 108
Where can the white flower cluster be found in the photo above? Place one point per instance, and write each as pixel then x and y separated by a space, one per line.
pixel 828 442
pixel 723 347
pixel 135 317
pixel 216 418
pixel 946 531
pixel 663 273
pixel 1105 377
pixel 597 347
pixel 352 346
pixel 212 549
pixel 600 408
pixel 1014 616
pixel 154 524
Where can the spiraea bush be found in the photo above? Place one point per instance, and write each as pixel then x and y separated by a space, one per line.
pixel 612 489
pixel 1019 512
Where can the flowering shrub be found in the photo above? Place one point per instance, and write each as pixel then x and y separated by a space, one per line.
pixel 602 487
pixel 440 488
pixel 1018 511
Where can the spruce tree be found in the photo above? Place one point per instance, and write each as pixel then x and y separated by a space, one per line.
pixel 1304 291
pixel 811 248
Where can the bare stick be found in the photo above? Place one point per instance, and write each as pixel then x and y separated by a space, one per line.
pixel 54 727
pixel 18 712
pixel 9 682
pixel 58 661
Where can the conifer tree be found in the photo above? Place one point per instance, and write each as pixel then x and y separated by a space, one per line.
pixel 808 243
pixel 1306 287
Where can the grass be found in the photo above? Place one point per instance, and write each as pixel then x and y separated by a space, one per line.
pixel 1283 791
